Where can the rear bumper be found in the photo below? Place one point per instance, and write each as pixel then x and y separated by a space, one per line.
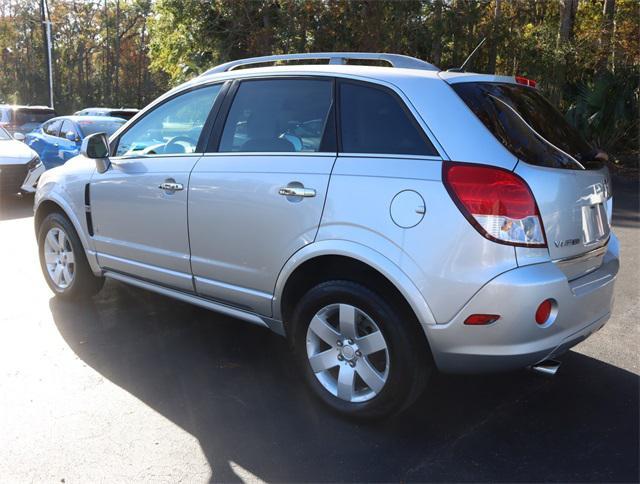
pixel 515 340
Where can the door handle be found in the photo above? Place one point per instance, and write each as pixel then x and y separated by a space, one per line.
pixel 171 186
pixel 297 192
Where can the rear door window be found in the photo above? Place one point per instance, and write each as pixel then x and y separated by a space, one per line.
pixel 53 128
pixel 69 127
pixel 279 115
pixel 374 120
pixel 527 125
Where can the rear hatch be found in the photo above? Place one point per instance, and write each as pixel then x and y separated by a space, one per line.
pixel 27 119
pixel 570 186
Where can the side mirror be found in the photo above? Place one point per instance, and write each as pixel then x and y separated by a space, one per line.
pixel 72 136
pixel 19 137
pixel 96 147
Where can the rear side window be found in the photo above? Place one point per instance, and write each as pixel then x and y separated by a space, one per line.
pixel 373 120
pixel 278 115
pixel 527 125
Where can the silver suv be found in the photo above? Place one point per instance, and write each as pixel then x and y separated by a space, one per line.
pixel 389 220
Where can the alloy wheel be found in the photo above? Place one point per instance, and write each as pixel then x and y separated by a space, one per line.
pixel 347 353
pixel 59 258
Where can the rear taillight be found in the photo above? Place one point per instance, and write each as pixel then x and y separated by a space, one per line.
pixel 497 202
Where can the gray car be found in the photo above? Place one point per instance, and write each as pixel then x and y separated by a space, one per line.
pixel 389 221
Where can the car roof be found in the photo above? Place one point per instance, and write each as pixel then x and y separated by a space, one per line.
pixel 108 109
pixel 21 106
pixel 77 118
pixel 365 72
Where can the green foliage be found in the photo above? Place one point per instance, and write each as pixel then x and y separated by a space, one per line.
pixel 126 52
pixel 99 54
pixel 606 110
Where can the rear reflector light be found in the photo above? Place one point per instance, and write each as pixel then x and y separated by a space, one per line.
pixel 497 202
pixel 544 311
pixel 526 82
pixel 479 319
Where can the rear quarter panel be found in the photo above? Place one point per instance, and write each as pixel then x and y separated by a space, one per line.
pixel 443 255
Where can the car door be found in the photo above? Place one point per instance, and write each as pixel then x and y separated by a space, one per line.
pixel 45 142
pixel 139 205
pixel 257 196
pixel 68 148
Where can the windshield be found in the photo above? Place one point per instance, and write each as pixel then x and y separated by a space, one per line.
pixel 108 127
pixel 527 125
pixel 4 136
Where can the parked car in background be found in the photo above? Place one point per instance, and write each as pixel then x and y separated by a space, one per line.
pixel 124 113
pixel 20 166
pixel 23 119
pixel 388 220
pixel 59 139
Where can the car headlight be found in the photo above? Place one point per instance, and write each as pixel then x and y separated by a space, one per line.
pixel 34 163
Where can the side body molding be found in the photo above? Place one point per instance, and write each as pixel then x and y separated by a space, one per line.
pixel 363 254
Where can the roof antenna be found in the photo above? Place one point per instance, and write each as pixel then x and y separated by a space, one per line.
pixel 461 68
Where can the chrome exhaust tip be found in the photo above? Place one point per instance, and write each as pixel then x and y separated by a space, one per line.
pixel 546 367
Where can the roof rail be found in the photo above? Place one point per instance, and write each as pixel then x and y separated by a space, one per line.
pixel 396 60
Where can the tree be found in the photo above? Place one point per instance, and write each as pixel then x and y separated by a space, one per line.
pixel 608 14
pixel 493 46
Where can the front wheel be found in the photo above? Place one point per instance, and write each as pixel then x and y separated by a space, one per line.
pixel 361 355
pixel 63 260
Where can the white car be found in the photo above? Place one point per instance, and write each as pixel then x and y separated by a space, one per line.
pixel 20 166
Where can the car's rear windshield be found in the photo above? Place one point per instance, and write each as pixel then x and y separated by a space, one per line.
pixel 108 127
pixel 527 125
pixel 123 114
pixel 33 116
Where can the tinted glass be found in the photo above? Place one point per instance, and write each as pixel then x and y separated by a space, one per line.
pixel 107 127
pixel 68 127
pixel 372 120
pixel 527 125
pixel 278 115
pixel 172 128
pixel 4 136
pixel 127 115
pixel 33 116
pixel 53 128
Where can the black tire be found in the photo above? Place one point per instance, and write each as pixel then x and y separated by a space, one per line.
pixel 84 283
pixel 410 364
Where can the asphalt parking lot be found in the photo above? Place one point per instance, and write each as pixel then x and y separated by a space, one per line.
pixel 132 386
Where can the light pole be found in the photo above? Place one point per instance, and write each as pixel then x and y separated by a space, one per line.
pixel 46 23
pixel 49 63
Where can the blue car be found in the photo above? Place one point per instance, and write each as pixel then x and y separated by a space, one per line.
pixel 59 139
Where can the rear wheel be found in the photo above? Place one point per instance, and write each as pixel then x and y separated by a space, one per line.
pixel 63 260
pixel 360 354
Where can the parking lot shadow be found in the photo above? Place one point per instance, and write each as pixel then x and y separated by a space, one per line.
pixel 12 207
pixel 235 387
